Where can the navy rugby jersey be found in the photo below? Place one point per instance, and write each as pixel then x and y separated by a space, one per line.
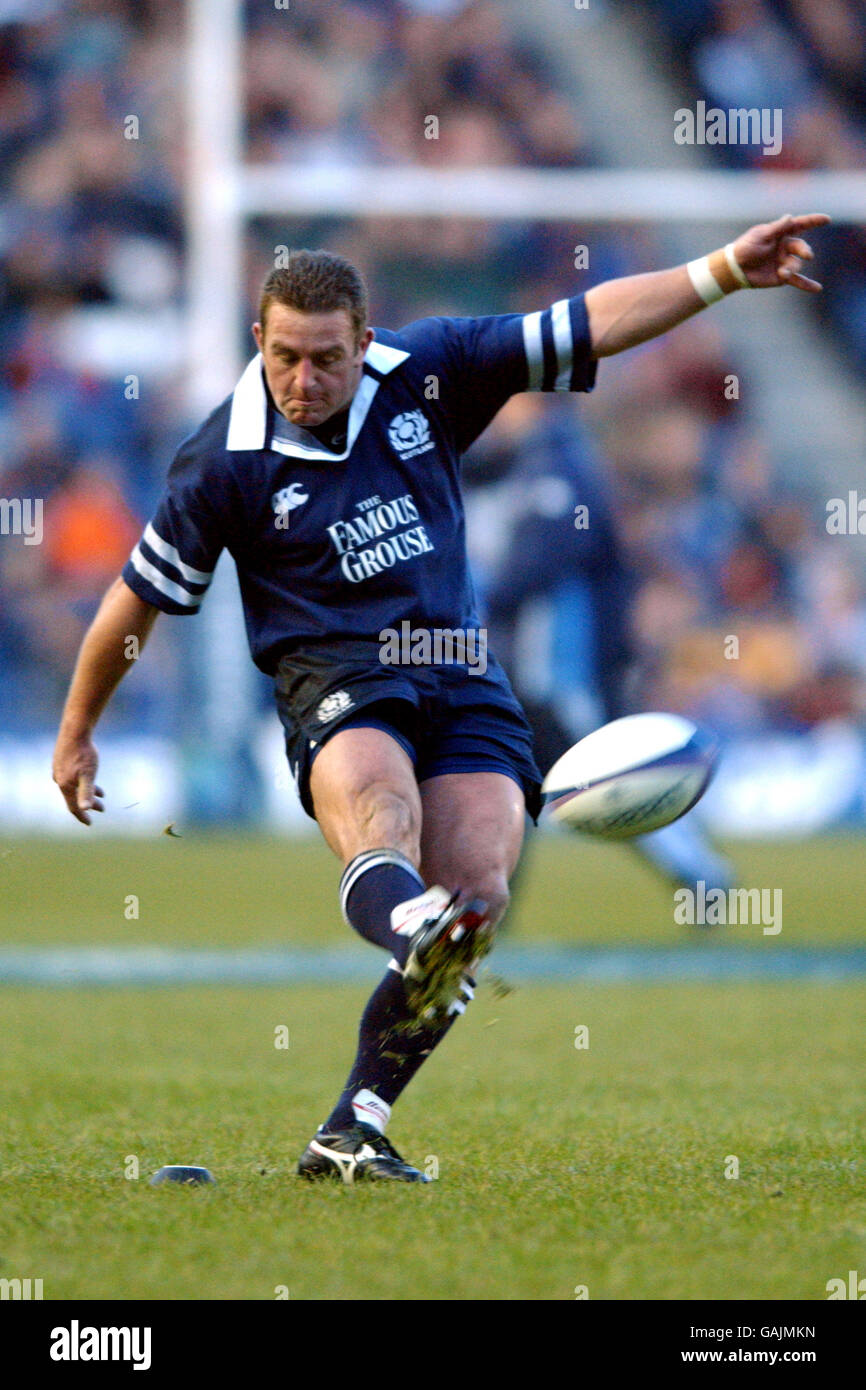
pixel 340 545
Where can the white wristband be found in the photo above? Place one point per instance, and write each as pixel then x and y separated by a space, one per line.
pixel 705 283
pixel 735 267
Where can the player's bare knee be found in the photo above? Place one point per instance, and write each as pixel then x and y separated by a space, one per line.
pixel 383 817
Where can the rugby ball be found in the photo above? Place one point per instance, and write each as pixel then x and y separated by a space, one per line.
pixel 631 776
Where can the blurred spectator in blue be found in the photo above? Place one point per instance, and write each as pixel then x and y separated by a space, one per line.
pixel 556 587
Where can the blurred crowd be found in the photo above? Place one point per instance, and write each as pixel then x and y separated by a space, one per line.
pixel 808 59
pixel 711 541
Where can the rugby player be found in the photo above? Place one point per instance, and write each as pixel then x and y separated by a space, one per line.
pixel 331 476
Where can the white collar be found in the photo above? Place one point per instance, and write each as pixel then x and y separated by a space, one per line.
pixel 249 414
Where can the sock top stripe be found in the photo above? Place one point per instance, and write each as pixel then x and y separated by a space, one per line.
pixel 373 859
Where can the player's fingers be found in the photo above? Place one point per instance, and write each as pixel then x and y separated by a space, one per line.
pixel 70 796
pixel 798 247
pixel 802 282
pixel 86 796
pixel 781 224
pixel 791 225
pixel 810 219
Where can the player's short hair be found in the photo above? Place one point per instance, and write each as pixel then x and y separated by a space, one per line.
pixel 317 282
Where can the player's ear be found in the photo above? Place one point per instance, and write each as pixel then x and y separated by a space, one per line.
pixel 259 336
pixel 365 340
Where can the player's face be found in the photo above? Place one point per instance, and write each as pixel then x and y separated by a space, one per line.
pixel 312 362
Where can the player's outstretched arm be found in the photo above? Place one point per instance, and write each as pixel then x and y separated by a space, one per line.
pixel 628 311
pixel 102 662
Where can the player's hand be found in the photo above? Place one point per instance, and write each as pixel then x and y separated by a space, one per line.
pixel 74 771
pixel 773 252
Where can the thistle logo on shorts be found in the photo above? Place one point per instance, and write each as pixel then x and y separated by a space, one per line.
pixel 288 498
pixel 332 705
pixel 410 433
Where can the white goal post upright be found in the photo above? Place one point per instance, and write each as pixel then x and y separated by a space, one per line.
pixel 215 310
pixel 214 220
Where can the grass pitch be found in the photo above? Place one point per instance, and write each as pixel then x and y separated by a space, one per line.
pixel 235 890
pixel 559 1168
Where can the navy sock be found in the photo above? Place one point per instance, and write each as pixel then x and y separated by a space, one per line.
pixel 373 884
pixel 389 1054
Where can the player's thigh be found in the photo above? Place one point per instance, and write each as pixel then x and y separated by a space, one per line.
pixel 364 794
pixel 472 832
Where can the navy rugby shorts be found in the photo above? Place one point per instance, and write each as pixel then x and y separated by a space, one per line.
pixel 445 719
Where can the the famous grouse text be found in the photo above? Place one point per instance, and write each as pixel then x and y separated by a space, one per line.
pixel 372 541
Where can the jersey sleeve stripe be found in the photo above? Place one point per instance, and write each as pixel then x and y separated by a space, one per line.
pixel 583 369
pixel 534 350
pixel 161 583
pixel 169 571
pixel 172 557
pixel 550 365
pixel 560 315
